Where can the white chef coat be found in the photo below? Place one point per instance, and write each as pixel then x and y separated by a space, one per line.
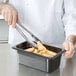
pixel 49 20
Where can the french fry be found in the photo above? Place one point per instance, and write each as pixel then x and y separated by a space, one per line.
pixel 47 55
pixel 51 53
pixel 30 49
pixel 40 46
pixel 41 50
pixel 36 51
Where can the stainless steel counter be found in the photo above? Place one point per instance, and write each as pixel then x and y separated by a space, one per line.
pixel 8 60
pixel 67 67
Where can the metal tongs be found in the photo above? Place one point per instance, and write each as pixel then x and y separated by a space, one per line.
pixel 33 43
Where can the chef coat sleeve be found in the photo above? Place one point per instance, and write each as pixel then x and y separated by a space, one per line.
pixel 5 1
pixel 69 17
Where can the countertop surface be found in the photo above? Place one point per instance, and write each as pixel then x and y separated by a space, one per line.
pixel 67 67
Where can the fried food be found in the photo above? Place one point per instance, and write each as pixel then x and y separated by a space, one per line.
pixel 36 51
pixel 30 49
pixel 47 55
pixel 41 50
pixel 51 52
pixel 40 46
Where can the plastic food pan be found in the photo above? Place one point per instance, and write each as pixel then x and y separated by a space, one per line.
pixel 46 64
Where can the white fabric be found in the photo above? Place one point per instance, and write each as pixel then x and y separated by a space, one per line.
pixel 69 18
pixel 3 0
pixel 42 18
pixel 46 19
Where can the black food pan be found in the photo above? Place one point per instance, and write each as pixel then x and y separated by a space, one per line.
pixel 46 64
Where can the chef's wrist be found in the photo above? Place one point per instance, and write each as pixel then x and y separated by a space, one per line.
pixel 1 6
pixel 72 39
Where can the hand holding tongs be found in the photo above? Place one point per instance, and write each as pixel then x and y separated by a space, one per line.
pixel 33 43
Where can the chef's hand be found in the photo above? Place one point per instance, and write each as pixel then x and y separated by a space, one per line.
pixel 69 46
pixel 10 14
